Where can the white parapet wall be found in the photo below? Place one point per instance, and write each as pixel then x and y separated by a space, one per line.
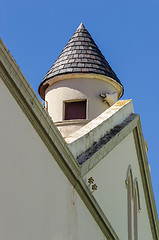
pixel 100 126
pixel 39 199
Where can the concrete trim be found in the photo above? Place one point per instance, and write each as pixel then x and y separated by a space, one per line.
pixel 134 125
pixel 70 122
pixel 124 129
pixel 118 87
pixel 146 180
pixel 136 188
pixel 99 127
pixel 129 206
pixel 39 118
pixel 129 173
pixel 134 185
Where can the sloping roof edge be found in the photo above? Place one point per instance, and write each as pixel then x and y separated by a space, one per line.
pixel 27 100
pixel 106 144
pixel 131 124
pixel 98 127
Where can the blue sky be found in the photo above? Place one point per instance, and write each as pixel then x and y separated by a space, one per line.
pixel 126 32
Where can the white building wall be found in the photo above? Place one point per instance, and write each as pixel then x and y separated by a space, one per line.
pixel 37 201
pixel 73 89
pixel 110 175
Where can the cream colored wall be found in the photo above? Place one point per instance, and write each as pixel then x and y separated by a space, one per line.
pixel 72 89
pixel 98 127
pixel 37 201
pixel 110 175
pixel 68 127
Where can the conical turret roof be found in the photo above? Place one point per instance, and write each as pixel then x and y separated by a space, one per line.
pixel 80 55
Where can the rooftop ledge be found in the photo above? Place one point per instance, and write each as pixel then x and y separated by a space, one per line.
pixel 98 127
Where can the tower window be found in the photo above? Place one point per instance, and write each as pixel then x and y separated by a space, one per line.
pixel 75 110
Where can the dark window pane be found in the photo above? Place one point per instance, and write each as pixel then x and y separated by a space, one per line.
pixel 75 110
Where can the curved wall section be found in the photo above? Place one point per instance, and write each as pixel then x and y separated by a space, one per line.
pixel 75 90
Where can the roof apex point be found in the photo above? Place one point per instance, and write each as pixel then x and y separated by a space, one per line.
pixel 81 26
pixel 80 55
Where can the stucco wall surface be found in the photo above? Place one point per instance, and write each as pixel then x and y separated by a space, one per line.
pixel 72 89
pixel 110 174
pixel 98 127
pixel 37 201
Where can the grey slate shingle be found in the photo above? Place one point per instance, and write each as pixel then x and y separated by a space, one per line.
pixel 81 54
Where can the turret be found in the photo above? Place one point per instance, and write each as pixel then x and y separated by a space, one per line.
pixel 80 85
